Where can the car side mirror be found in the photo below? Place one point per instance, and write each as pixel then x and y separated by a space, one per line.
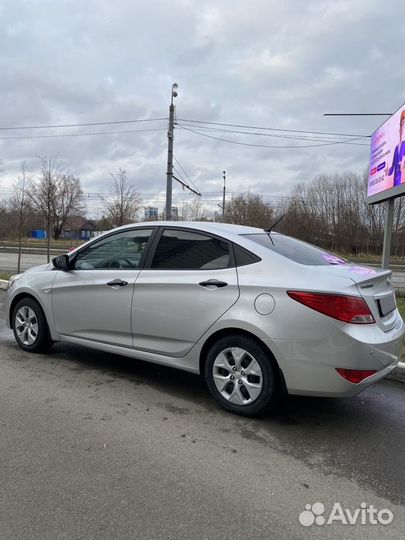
pixel 61 263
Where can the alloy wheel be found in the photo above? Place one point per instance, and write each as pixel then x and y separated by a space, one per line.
pixel 237 376
pixel 26 325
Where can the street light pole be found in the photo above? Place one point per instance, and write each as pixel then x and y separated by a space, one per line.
pixel 169 170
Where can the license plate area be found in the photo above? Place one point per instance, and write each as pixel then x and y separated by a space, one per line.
pixel 386 305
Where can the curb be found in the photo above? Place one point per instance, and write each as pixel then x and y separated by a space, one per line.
pixel 398 374
pixel 3 284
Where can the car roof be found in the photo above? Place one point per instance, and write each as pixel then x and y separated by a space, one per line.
pixel 226 229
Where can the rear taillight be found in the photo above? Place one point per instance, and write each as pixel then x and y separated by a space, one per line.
pixel 349 309
pixel 355 375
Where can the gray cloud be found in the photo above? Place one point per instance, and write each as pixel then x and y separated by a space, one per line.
pixel 264 63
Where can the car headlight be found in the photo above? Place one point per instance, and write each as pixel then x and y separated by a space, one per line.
pixel 13 279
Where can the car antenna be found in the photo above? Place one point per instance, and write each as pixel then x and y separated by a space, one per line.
pixel 270 229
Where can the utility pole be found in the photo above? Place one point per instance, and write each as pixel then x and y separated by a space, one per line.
pixel 169 171
pixel 223 198
pixel 222 206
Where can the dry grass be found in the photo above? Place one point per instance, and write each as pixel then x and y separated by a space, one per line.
pixel 401 305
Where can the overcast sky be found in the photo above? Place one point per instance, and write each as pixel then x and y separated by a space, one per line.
pixel 268 63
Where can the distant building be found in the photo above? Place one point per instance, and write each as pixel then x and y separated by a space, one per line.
pixel 38 234
pixel 151 213
pixel 78 228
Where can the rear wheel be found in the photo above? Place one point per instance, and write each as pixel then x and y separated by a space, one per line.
pixel 240 375
pixel 30 327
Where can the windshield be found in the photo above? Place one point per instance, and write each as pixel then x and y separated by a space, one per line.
pixel 296 250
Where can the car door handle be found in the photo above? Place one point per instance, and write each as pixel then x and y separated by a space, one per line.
pixel 213 283
pixel 117 283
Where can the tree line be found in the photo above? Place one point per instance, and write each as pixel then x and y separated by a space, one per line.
pixel 50 199
pixel 330 211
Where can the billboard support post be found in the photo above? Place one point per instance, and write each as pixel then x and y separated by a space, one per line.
pixel 389 220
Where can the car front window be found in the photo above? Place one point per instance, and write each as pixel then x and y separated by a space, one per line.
pixel 123 250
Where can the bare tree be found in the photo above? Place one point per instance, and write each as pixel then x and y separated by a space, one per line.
pixel 67 203
pixel 193 211
pixel 104 224
pixel 249 209
pixel 5 225
pixel 332 211
pixel 56 196
pixel 123 202
pixel 44 194
pixel 21 205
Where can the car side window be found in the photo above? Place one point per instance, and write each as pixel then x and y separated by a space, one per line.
pixel 243 257
pixel 122 250
pixel 184 250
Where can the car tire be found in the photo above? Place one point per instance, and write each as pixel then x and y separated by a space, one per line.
pixel 240 375
pixel 30 327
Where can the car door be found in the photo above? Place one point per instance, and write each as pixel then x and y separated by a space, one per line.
pixel 93 300
pixel 190 281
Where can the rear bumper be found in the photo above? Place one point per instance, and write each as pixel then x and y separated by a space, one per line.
pixel 309 367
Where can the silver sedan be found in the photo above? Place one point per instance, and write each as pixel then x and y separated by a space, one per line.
pixel 255 312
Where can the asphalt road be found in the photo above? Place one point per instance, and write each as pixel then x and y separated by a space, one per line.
pixel 8 261
pixel 95 446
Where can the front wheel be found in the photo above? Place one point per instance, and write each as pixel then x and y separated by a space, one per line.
pixel 240 375
pixel 30 327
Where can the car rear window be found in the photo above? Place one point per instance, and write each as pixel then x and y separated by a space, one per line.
pixel 296 250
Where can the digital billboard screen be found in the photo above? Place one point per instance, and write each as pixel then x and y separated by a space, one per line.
pixel 387 159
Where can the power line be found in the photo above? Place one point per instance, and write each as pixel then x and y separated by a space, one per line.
pixel 267 145
pixel 80 134
pixel 183 182
pixel 292 137
pixel 210 198
pixel 179 174
pixel 275 129
pixel 357 114
pixel 184 171
pixel 113 122
pixel 43 126
pixel 186 185
pixel 261 134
